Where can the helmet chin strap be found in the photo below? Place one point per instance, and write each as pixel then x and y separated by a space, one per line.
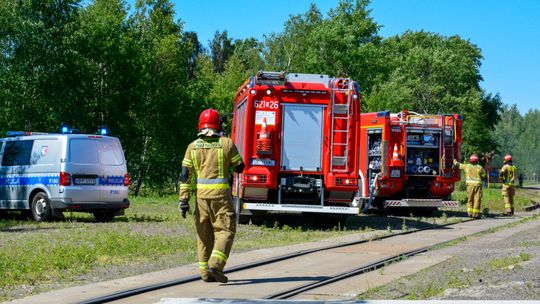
pixel 209 132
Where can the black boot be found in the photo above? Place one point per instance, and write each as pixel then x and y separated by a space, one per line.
pixel 208 279
pixel 218 275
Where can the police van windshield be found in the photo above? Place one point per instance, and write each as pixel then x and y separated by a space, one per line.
pixel 91 151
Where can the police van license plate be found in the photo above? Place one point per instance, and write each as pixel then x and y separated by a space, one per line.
pixel 84 181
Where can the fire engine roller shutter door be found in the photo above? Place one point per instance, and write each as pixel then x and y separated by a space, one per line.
pixel 302 137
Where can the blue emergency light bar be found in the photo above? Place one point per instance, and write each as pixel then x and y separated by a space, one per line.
pixel 65 129
pixel 23 133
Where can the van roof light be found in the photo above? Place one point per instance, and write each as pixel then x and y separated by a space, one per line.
pixel 23 133
pixel 103 130
pixel 64 129
pixel 16 133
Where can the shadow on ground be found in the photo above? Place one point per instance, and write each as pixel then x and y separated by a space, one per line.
pixel 373 221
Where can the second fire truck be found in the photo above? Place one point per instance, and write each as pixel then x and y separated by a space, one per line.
pixel 406 160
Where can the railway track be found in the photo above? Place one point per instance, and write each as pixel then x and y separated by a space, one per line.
pixel 288 292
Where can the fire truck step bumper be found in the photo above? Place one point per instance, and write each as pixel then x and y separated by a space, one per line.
pixel 301 208
pixel 421 203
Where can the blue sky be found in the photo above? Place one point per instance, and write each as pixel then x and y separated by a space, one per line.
pixel 508 32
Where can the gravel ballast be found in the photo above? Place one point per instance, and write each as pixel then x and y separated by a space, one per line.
pixel 504 265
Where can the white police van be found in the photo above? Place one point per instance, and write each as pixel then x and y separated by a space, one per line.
pixel 46 174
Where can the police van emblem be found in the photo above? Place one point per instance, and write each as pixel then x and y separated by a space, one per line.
pixel 44 150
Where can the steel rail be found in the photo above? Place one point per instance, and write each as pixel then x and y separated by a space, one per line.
pixel 286 294
pixel 144 289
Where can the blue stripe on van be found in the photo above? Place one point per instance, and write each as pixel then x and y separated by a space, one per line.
pixel 53 180
pixel 13 181
pixel 111 180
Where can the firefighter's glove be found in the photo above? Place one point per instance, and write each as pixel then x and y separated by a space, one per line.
pixel 183 206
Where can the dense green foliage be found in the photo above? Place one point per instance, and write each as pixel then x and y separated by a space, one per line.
pixel 88 63
pixel 518 135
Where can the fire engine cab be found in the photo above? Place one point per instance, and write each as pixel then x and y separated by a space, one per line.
pixel 406 160
pixel 298 135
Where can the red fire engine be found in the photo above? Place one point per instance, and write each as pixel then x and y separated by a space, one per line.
pixel 298 135
pixel 406 160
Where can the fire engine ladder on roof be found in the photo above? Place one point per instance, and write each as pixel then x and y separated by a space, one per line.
pixel 340 125
pixel 447 121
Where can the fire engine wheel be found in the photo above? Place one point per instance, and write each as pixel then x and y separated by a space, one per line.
pixel 424 211
pixel 41 208
pixel 104 216
pixel 410 211
pixel 243 219
pixel 258 217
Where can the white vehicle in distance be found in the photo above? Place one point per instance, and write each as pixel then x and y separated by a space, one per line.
pixel 46 174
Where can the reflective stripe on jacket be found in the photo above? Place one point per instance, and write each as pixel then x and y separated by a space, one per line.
pixel 473 173
pixel 508 174
pixel 209 159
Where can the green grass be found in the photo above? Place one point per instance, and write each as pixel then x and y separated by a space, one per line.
pixel 151 233
pixel 505 262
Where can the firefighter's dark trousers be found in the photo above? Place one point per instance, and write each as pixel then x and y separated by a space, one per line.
pixel 474 200
pixel 216 227
pixel 508 192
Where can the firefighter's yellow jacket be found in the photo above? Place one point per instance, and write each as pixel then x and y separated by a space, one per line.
pixel 508 174
pixel 473 173
pixel 208 160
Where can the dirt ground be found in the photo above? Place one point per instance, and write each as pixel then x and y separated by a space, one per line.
pixel 502 266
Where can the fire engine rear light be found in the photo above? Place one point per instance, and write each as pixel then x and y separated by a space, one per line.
pixel 65 179
pixel 255 178
pixel 126 180
pixel 346 181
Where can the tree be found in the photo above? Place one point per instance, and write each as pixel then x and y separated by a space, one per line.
pixel 518 136
pixel 161 103
pixel 221 49
pixel 196 48
pixel 37 61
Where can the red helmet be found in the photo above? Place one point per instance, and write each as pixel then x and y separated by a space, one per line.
pixel 507 158
pixel 210 118
pixel 473 158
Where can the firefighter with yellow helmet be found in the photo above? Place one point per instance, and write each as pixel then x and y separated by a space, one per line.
pixel 206 166
pixel 474 174
pixel 507 174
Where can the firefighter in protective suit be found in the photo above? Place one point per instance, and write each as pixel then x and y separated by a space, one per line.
pixel 474 174
pixel 507 174
pixel 206 167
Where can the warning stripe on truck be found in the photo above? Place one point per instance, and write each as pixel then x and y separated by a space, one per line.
pixel 421 203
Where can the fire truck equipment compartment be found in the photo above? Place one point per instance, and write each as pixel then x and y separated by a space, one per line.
pixel 302 137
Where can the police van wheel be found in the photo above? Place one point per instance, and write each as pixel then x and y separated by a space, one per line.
pixel 41 208
pixel 104 216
